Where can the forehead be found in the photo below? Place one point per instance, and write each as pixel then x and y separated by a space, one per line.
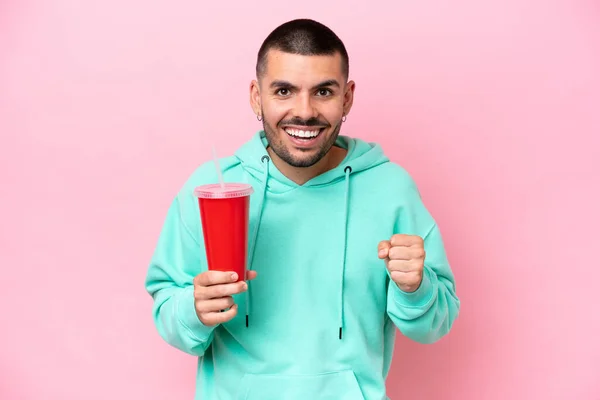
pixel 297 68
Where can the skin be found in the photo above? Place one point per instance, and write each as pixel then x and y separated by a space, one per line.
pixel 303 92
pixel 296 91
pixel 212 293
pixel 404 257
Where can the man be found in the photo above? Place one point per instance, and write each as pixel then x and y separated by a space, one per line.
pixel 341 248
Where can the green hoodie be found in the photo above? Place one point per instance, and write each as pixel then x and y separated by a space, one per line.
pixel 323 310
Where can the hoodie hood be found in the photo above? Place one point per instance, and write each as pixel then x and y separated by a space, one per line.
pixel 255 160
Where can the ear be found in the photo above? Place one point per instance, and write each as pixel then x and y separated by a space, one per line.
pixel 349 96
pixel 255 97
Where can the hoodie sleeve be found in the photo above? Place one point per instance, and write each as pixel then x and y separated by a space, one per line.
pixel 175 263
pixel 427 314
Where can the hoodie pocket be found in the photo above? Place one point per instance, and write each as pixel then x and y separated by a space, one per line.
pixel 340 385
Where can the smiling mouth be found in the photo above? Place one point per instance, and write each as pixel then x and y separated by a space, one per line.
pixel 308 133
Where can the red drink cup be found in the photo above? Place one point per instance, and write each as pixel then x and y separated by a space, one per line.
pixel 224 214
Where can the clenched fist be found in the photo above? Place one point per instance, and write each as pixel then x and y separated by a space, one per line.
pixel 405 259
pixel 213 292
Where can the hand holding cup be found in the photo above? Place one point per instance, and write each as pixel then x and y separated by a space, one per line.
pixel 213 295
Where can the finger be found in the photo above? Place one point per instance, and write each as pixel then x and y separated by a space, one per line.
pixel 406 240
pixel 383 248
pixel 409 282
pixel 224 290
pixel 251 275
pixel 400 253
pixel 214 318
pixel 209 278
pixel 214 305
pixel 402 265
pixel 406 253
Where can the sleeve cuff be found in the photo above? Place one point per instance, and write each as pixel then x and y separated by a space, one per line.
pixel 420 297
pixel 186 313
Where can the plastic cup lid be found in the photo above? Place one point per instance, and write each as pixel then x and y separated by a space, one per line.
pixel 232 190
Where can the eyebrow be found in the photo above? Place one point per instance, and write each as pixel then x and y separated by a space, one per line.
pixel 285 84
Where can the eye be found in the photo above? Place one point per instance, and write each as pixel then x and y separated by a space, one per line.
pixel 283 92
pixel 323 92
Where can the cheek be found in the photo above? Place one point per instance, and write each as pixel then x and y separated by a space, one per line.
pixel 274 113
pixel 332 111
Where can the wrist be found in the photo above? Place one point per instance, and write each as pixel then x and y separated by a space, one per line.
pixel 420 296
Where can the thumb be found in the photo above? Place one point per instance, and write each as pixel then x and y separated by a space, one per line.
pixel 383 249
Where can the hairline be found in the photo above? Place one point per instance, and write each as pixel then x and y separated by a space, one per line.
pixel 262 64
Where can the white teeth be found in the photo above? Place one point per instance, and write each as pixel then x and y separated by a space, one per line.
pixel 302 134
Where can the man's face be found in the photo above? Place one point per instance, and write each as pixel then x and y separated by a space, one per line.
pixel 302 100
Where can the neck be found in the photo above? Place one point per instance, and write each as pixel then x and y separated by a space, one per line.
pixel 302 175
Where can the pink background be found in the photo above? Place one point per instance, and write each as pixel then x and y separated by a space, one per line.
pixel 107 106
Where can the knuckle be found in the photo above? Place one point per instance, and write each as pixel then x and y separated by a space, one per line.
pixel 393 265
pixel 199 305
pixel 392 253
pixel 223 303
pixel 226 316
pixel 222 290
pixel 200 279
pixel 417 276
pixel 209 278
pixel 233 312
pixel 199 292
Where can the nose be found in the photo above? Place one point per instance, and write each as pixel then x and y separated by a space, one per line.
pixel 304 107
